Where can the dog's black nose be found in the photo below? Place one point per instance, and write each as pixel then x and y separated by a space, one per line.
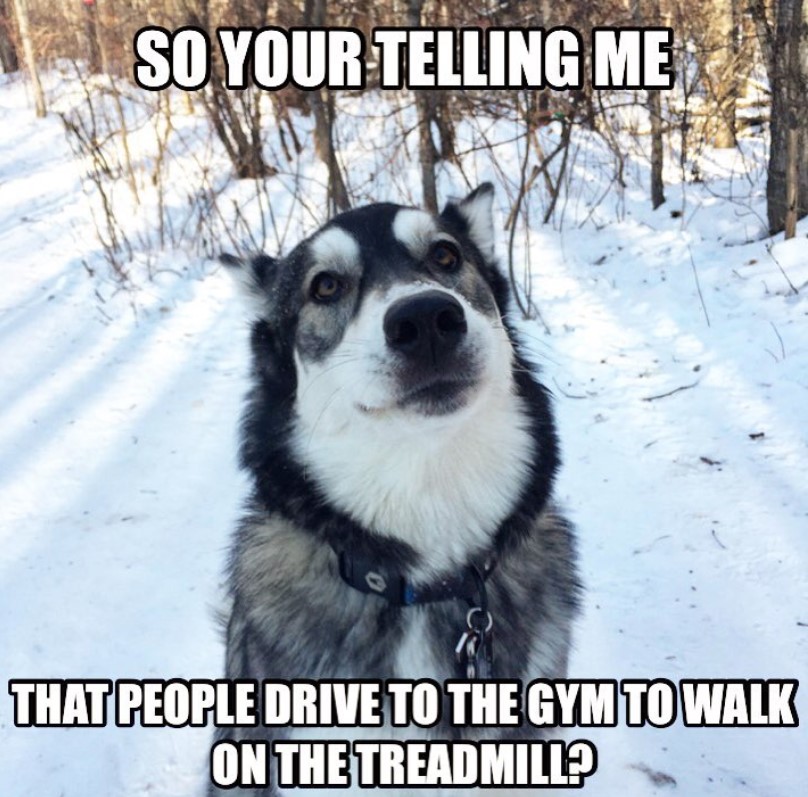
pixel 428 325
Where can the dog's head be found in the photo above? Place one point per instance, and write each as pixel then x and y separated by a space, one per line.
pixel 385 312
pixel 384 364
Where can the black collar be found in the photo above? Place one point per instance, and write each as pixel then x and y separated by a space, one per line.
pixel 364 573
pixel 473 650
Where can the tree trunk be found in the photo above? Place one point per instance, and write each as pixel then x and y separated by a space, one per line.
pixel 426 150
pixel 654 105
pixel 321 103
pixel 323 110
pixel 657 151
pixel 787 183
pixel 21 9
pixel 9 60
pixel 91 32
pixel 722 74
pixel 765 35
pixel 424 106
pixel 792 183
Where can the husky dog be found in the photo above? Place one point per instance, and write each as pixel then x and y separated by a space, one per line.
pixel 403 453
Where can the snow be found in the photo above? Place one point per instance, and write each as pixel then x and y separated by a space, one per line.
pixel 678 355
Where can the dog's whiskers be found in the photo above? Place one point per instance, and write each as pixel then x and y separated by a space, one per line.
pixel 317 420
pixel 346 360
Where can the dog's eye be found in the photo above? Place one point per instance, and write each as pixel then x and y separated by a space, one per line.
pixel 445 256
pixel 326 287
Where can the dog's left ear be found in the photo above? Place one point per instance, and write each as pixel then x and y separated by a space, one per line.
pixel 254 277
pixel 475 213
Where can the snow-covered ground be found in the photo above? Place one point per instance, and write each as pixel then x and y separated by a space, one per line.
pixel 686 470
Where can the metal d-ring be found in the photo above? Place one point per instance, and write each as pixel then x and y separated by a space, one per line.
pixel 471 614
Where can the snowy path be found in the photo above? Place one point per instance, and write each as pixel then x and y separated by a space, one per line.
pixel 693 508
pixel 118 482
pixel 117 478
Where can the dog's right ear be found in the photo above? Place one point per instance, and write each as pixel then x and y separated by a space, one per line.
pixel 254 276
pixel 474 215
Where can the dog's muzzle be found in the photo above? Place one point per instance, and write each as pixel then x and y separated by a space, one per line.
pixel 427 333
pixel 425 328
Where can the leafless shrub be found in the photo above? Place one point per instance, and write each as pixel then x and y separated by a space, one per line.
pixel 201 170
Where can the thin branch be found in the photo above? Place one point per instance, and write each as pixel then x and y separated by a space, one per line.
pixel 782 271
pixel 525 309
pixel 670 392
pixel 782 345
pixel 698 285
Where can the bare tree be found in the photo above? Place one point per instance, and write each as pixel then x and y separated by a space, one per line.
pixel 787 184
pixel 9 61
pixel 91 34
pixel 236 116
pixel 654 105
pixel 321 103
pixel 655 112
pixel 721 48
pixel 424 104
pixel 21 10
